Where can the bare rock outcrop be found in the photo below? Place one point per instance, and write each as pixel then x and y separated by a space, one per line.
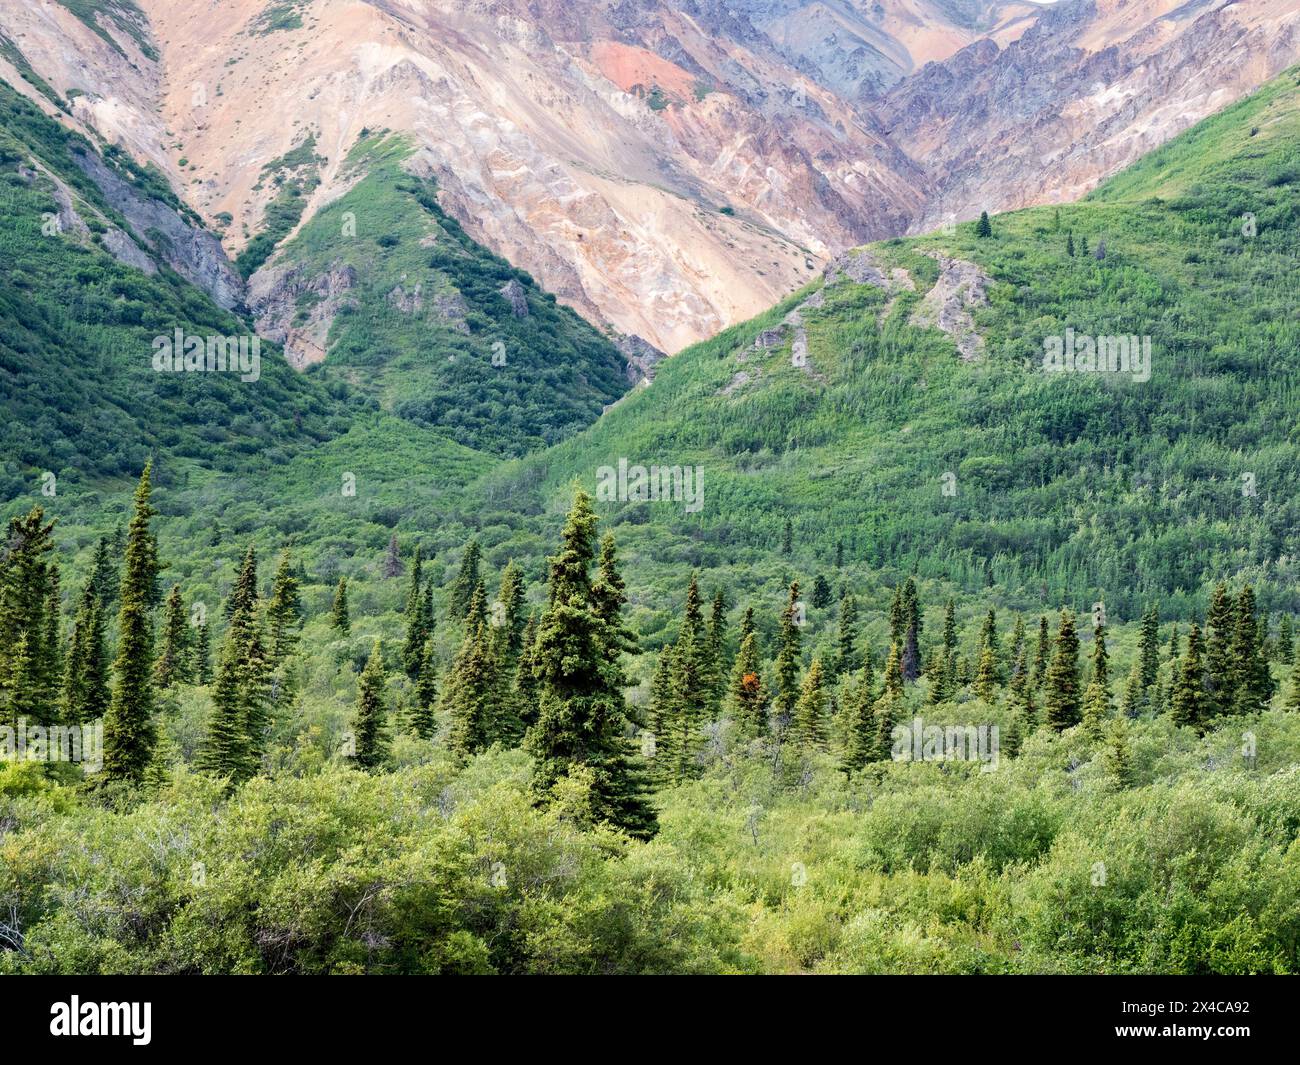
pixel 961 287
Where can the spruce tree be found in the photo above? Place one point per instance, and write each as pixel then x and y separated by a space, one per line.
pixel 1097 697
pixel 73 694
pixel 787 538
pixel 1220 627
pixel 660 712
pixel 223 752
pixel 821 596
pixel 1116 758
pixel 426 694
pixel 28 689
pixel 129 732
pixel 284 612
pixel 1252 681
pixel 369 724
pixel 339 611
pixel 461 592
pixel 609 595
pixel 887 713
pixel 1134 692
pixel 986 674
pixel 1149 647
pixel 1293 696
pixel 52 641
pixel 846 656
pixel 1016 656
pixel 172 666
pixel 393 558
pixel 238 726
pixel 582 717
pixel 984 228
pixel 910 661
pixel 1041 655
pixel 859 726
pixel 469 694
pixel 808 728
pixel 989 642
pixel 512 595
pixel 717 642
pixel 1286 640
pixel 201 657
pixel 788 660
pixel 688 708
pixel 477 613
pixel 525 690
pixel 106 574
pixel 1061 699
pixel 748 698
pixel 1189 703
pixel 747 624
pixel 894 672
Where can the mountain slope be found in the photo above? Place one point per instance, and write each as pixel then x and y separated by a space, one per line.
pixel 664 169
pixel 985 469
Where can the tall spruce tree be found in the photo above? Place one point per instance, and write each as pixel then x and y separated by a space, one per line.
pixel 512 596
pixel 525 690
pixel 1292 702
pixel 1252 682
pixel 339 618
pixel 1220 674
pixel 846 655
pixel 369 720
pixel 989 640
pixel 426 694
pixel 172 666
pixel 788 661
pixel 747 624
pixel 1286 640
pixel 821 594
pixel 240 718
pixel 1190 703
pixel 129 731
pixel 1097 697
pixel 52 641
pixel 1061 699
pixel 284 614
pixel 28 690
pixel 1149 647
pixel 1042 654
pixel 808 728
pixel 748 698
pixel 859 727
pixel 469 694
pixel 461 592
pixel 717 641
pixel 393 558
pixel 582 717
pixel 201 656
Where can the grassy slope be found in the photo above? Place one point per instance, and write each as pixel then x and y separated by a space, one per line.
pixel 559 371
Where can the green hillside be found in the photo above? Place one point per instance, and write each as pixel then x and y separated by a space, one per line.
pixel 1068 488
